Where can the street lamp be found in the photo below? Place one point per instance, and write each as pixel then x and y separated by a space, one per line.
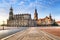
pixel 3 24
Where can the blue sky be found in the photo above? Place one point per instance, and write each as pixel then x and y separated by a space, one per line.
pixel 44 8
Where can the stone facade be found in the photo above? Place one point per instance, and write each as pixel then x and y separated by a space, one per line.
pixel 19 19
pixel 45 21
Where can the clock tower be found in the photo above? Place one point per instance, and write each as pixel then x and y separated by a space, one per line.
pixel 11 14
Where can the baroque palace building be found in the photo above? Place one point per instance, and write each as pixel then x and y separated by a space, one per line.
pixel 47 21
pixel 26 20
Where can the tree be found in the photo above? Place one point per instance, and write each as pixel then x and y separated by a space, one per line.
pixel 54 24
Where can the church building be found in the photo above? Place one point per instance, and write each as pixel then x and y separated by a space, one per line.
pixel 20 20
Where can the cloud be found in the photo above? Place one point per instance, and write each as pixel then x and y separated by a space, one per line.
pixel 13 1
pixel 57 18
pixel 37 3
pixel 4 4
pixel 27 0
pixel 46 3
pixel 3 15
pixel 21 3
pixel 10 1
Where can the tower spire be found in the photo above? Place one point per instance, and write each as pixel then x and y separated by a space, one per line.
pixel 11 9
pixel 50 15
pixel 35 15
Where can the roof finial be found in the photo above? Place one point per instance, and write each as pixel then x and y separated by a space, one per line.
pixel 11 8
pixel 50 15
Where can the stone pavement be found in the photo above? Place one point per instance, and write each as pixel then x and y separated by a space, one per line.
pixel 33 33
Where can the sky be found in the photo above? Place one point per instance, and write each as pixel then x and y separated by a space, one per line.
pixel 44 8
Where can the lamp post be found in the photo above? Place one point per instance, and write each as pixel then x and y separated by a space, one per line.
pixel 3 24
pixel 23 21
pixel 28 22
